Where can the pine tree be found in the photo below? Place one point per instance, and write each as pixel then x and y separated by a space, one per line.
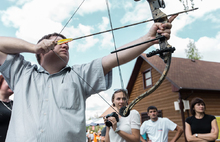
pixel 192 52
pixel 186 4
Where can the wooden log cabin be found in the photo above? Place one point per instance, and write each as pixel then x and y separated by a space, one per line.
pixel 186 79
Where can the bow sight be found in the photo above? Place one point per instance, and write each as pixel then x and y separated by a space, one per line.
pixel 161 17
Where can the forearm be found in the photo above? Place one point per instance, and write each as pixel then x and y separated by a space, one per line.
pixel 125 56
pixel 178 134
pixel 208 136
pixel 107 135
pixel 193 138
pixel 129 54
pixel 9 45
pixel 213 135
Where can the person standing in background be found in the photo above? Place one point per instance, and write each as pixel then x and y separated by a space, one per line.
pixel 157 128
pixel 5 108
pixel 125 129
pixel 200 127
pixel 103 134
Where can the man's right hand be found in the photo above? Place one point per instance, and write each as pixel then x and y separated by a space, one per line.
pixel 45 46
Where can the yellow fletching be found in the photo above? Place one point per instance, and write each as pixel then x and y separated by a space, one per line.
pixel 63 41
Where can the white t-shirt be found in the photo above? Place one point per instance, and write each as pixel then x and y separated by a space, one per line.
pixel 132 121
pixel 157 131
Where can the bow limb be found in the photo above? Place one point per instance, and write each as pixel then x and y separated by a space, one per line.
pixel 165 52
pixel 125 111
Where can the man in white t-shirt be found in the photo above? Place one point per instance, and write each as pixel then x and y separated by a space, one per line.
pixel 157 128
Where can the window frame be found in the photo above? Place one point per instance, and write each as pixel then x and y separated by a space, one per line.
pixel 144 79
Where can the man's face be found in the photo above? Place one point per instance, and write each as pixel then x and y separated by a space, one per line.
pixel 152 114
pixel 61 51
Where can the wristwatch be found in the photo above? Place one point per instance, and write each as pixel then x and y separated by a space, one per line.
pixel 117 130
pixel 196 135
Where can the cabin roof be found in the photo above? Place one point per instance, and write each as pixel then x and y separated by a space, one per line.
pixel 183 73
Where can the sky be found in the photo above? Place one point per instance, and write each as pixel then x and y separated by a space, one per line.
pixel 32 19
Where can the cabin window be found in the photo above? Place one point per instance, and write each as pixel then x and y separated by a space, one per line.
pixel 147 78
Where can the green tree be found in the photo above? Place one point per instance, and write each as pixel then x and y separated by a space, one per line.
pixel 187 3
pixel 192 52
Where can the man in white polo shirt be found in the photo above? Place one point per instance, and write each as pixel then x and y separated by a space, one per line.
pixel 157 128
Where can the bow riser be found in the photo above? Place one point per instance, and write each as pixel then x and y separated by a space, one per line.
pixel 160 17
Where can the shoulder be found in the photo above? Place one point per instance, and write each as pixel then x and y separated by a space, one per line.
pixel 89 69
pixel 189 119
pixel 134 116
pixel 163 119
pixel 16 61
pixel 210 117
pixel 134 112
pixel 166 121
pixel 146 122
pixel 12 57
pixel 95 62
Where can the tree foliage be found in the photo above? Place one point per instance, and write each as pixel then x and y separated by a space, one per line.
pixel 187 4
pixel 192 52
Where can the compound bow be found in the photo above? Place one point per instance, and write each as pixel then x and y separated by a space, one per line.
pixel 165 53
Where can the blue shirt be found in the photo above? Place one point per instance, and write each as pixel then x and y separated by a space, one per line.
pixel 50 107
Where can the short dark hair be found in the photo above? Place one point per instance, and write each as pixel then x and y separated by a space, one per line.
pixel 151 107
pixel 120 90
pixel 47 37
pixel 194 101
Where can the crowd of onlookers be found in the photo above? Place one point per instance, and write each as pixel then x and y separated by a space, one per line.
pixel 98 136
pixel 156 128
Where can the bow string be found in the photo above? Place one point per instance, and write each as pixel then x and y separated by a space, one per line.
pixel 165 50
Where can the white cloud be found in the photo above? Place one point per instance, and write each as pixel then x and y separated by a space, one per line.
pixel 136 13
pixel 89 42
pixel 208 47
pixel 90 6
pixel 96 105
pixel 40 17
pixel 105 22
pixel 213 18
pixel 19 2
pixel 106 41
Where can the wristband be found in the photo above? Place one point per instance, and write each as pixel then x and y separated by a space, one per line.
pixel 117 130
